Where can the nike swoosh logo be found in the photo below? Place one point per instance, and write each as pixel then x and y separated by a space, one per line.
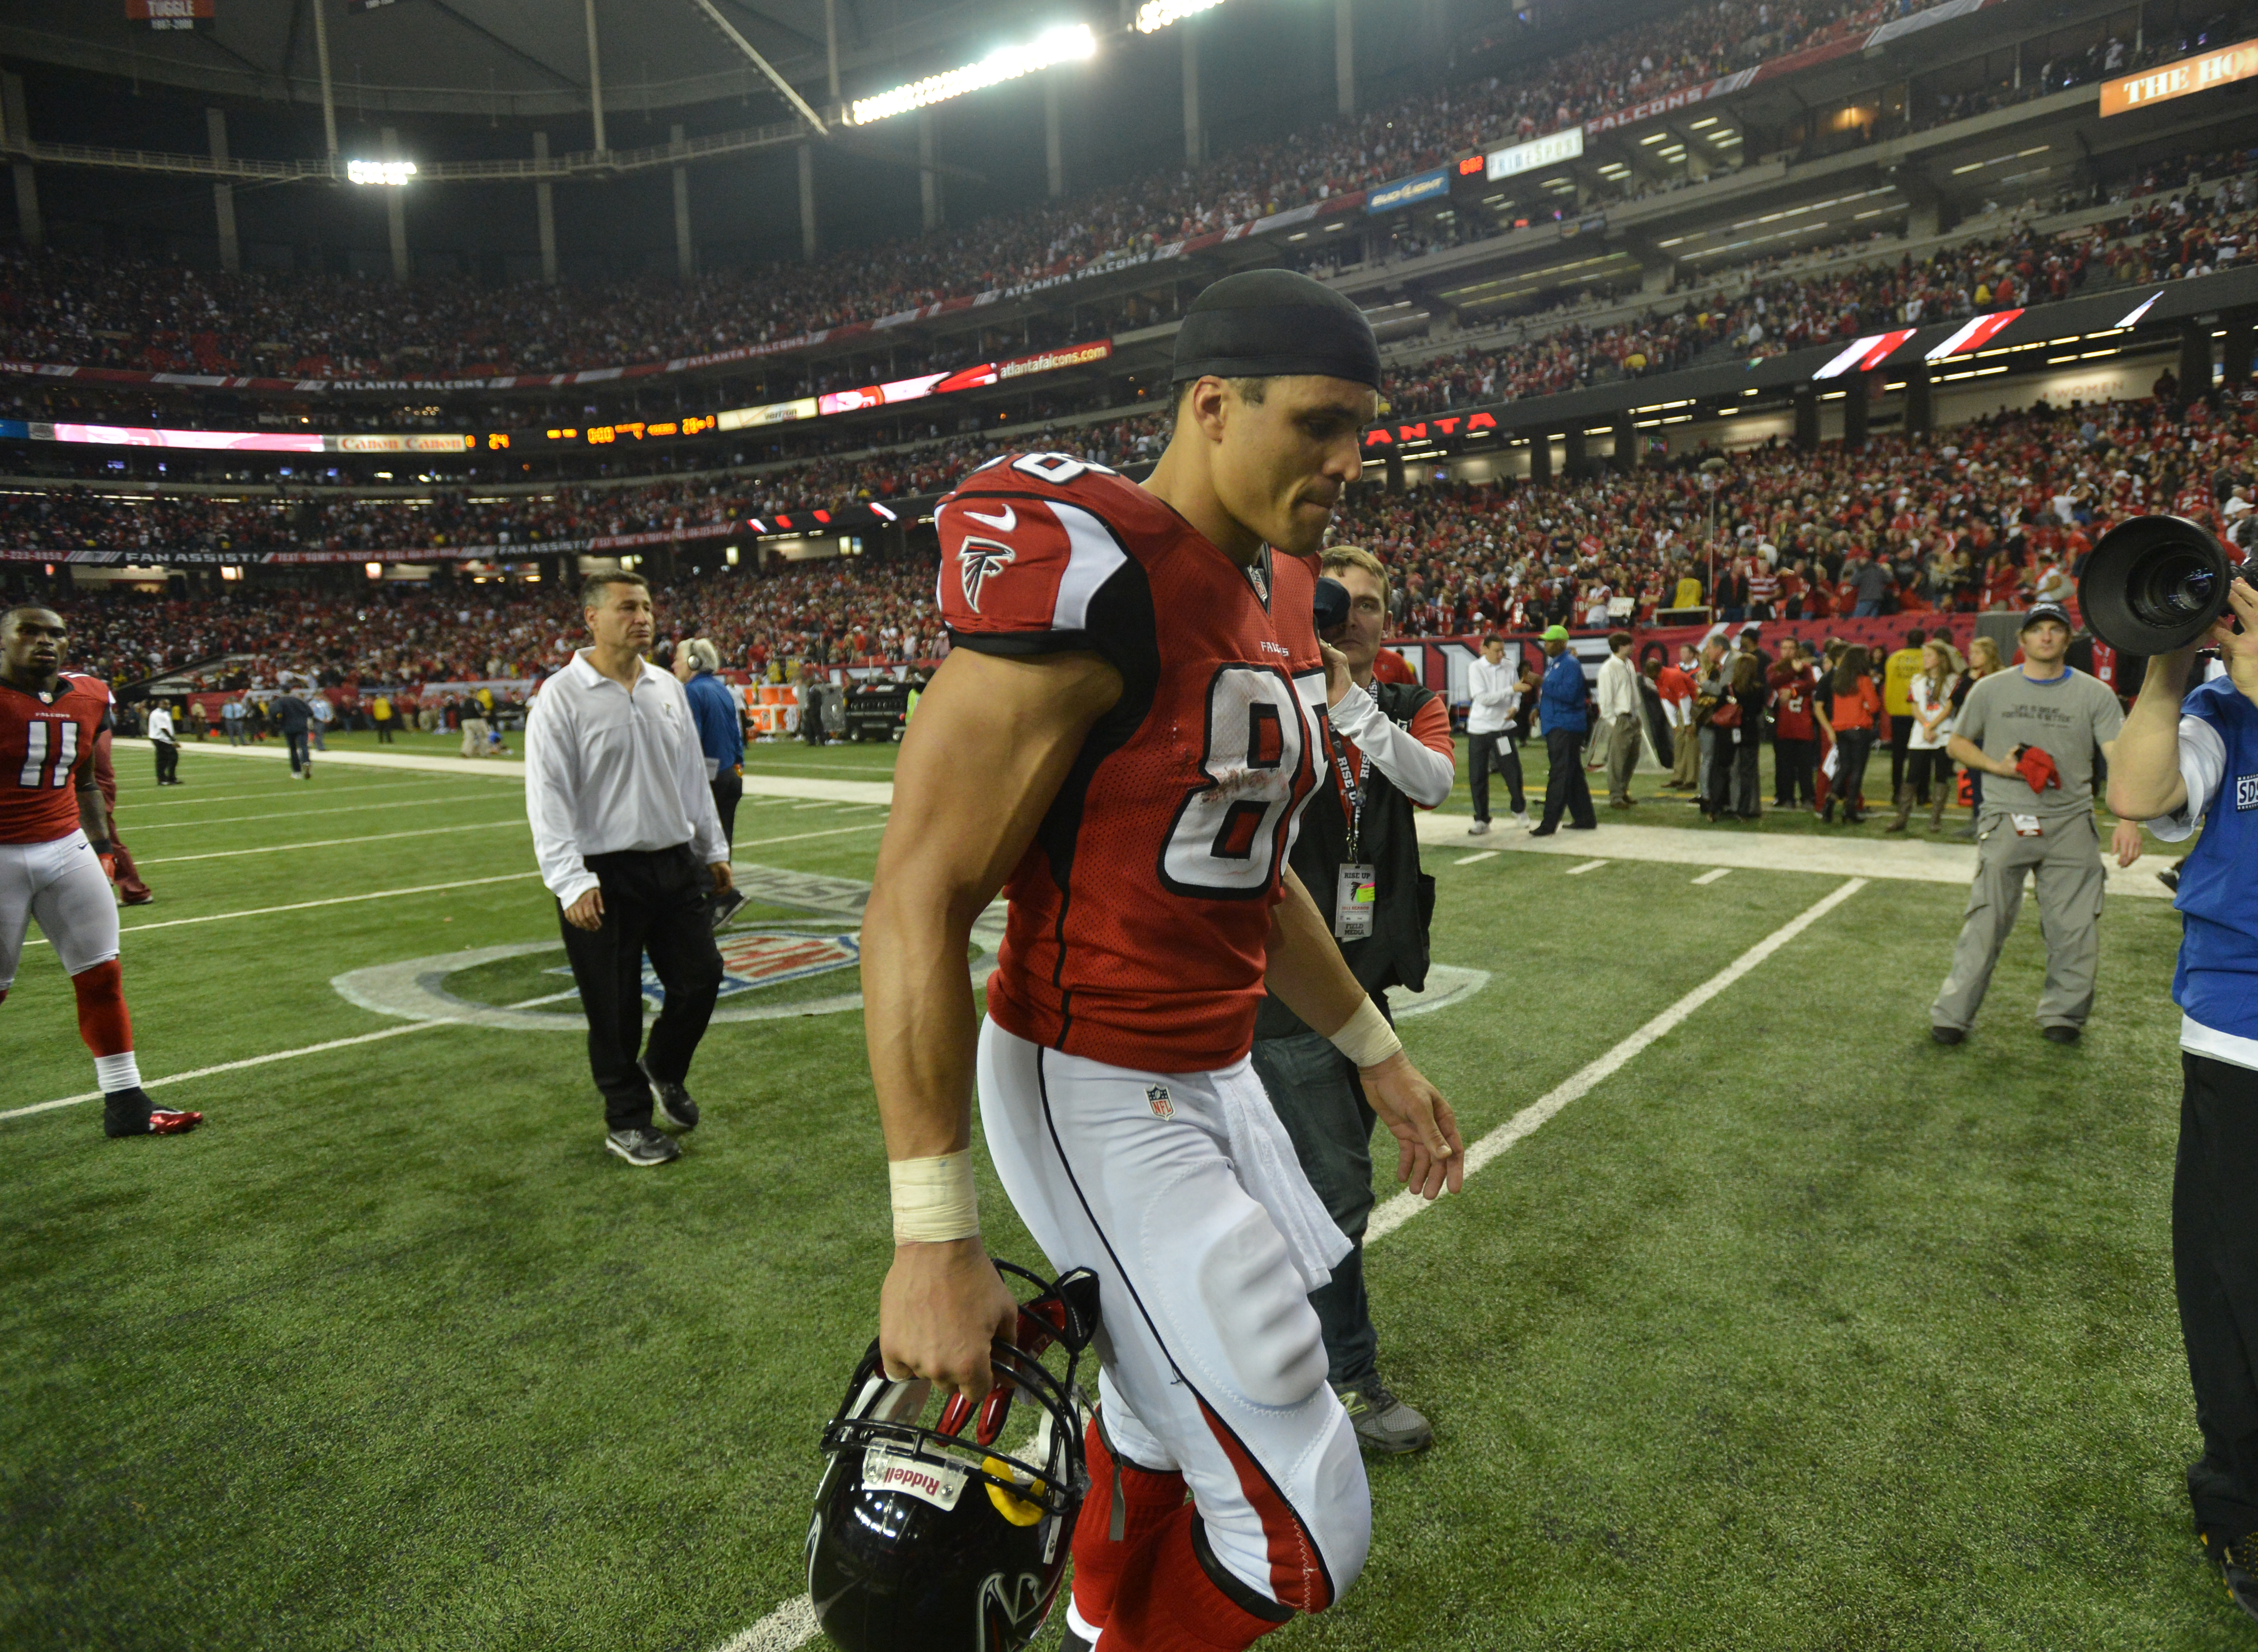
pixel 1003 524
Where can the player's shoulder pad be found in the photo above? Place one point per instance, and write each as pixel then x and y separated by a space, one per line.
pixel 1027 541
pixel 93 686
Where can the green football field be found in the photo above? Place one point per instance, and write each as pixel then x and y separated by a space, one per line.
pixel 1793 1330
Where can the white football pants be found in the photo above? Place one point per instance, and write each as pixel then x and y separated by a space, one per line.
pixel 1181 1191
pixel 61 883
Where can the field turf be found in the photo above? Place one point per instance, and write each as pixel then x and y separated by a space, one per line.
pixel 1797 1331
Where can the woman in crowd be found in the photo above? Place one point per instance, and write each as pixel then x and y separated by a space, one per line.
pixel 1847 715
pixel 1983 660
pixel 1750 694
pixel 1929 766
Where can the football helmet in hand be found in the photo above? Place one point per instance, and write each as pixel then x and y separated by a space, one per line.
pixel 929 1540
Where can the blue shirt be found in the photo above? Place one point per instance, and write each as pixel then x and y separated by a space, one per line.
pixel 1560 700
pixel 720 735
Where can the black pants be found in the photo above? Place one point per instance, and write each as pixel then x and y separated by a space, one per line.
pixel 729 790
pixel 1928 768
pixel 1319 1098
pixel 654 903
pixel 1795 766
pixel 1852 747
pixel 1487 753
pixel 168 762
pixel 1900 749
pixel 384 733
pixel 1565 787
pixel 299 756
pixel 2215 1269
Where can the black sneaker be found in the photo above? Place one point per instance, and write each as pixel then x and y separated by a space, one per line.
pixel 1947 1035
pixel 2169 877
pixel 2060 1035
pixel 2237 1559
pixel 671 1103
pixel 642 1147
pixel 1384 1424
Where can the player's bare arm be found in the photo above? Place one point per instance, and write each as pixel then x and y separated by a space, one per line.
pixel 991 744
pixel 2144 760
pixel 1308 973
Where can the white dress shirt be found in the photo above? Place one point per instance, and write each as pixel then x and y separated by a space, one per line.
pixel 606 770
pixel 1492 690
pixel 1618 688
pixel 161 726
pixel 1420 772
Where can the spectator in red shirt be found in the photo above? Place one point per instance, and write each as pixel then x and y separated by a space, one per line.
pixel 1795 735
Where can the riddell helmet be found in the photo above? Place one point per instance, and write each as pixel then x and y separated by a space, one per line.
pixel 923 1541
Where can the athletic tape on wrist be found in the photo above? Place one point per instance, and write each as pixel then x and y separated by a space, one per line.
pixel 934 1198
pixel 1366 1038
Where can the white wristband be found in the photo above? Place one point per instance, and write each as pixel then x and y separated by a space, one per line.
pixel 934 1198
pixel 1366 1038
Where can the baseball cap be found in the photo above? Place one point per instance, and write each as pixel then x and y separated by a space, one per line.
pixel 2053 611
pixel 1555 634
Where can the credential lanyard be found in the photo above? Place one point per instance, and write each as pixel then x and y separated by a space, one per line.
pixel 1354 793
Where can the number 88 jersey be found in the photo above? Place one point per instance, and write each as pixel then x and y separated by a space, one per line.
pixel 1139 916
pixel 47 747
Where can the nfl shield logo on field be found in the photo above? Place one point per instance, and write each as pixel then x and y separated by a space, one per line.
pixel 1162 1106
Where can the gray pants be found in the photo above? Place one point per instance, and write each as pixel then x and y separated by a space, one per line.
pixel 1622 757
pixel 1320 1100
pixel 2068 863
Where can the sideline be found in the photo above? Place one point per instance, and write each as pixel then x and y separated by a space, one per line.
pixel 1914 860
pixel 793 1624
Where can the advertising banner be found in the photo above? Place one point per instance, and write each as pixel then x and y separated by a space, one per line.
pixel 1404 192
pixel 1565 144
pixel 2182 79
pixel 1051 360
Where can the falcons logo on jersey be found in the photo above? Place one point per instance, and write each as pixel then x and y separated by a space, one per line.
pixel 980 560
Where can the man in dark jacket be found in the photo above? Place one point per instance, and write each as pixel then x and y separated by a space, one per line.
pixel 1561 708
pixel 296 718
pixel 1358 855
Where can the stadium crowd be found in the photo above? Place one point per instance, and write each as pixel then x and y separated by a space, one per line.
pixel 1988 515
pixel 2184 234
pixel 118 313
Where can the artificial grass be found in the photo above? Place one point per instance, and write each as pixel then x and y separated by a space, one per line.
pixel 1798 1331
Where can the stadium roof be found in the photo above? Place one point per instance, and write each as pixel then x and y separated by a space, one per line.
pixel 526 58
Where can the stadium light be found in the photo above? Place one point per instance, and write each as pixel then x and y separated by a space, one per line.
pixel 1067 44
pixel 1156 14
pixel 395 173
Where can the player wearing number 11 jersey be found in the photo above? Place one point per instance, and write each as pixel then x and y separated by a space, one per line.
pixel 54 854
pixel 1122 740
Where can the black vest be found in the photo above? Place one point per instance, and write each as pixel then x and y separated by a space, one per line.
pixel 1396 953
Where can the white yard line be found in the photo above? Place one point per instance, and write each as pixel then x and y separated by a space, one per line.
pixel 332 843
pixel 1487 854
pixel 1714 873
pixel 1404 1206
pixel 1588 866
pixel 300 906
pixel 133 795
pixel 298 814
pixel 234 1067
pixel 790 1625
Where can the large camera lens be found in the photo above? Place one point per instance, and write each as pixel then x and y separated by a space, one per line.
pixel 2172 590
pixel 2154 583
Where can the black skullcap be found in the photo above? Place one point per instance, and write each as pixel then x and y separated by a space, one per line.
pixel 1266 324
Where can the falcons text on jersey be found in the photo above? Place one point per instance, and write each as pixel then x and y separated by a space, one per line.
pixel 1139 916
pixel 46 753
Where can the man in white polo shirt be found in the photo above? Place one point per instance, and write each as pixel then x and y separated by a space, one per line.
pixel 625 829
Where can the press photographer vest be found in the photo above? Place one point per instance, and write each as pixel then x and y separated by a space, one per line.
pixel 1396 953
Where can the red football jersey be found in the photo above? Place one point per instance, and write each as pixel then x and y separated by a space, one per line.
pixel 46 753
pixel 1139 916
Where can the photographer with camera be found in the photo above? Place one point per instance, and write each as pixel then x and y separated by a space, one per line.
pixel 1391 755
pixel 2186 756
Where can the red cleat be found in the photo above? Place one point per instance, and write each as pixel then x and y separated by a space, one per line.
pixel 163 1121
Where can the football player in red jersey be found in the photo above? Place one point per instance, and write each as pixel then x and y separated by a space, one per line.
pixel 1122 740
pixel 55 856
